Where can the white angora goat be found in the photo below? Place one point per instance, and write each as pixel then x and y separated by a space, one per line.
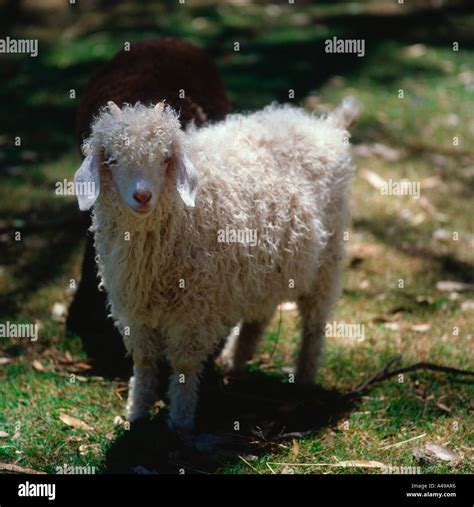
pixel 198 230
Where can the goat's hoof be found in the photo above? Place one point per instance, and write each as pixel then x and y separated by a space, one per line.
pixel 135 415
pixel 235 373
pixel 304 381
pixel 185 434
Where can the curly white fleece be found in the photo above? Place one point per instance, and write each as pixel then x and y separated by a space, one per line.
pixel 279 171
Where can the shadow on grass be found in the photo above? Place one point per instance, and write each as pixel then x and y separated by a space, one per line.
pixel 383 229
pixel 42 262
pixel 267 411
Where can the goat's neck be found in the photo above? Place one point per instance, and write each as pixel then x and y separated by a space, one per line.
pixel 116 227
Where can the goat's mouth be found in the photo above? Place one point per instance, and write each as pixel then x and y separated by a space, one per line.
pixel 142 209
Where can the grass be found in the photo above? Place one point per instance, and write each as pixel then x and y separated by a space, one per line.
pixel 393 239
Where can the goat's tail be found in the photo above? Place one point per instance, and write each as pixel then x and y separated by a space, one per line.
pixel 345 115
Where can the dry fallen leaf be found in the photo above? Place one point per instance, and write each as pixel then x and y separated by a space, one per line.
pixel 415 50
pixel 433 452
pixel 467 306
pixel 427 206
pixel 442 406
pixel 373 178
pixel 74 438
pixel 466 77
pixel 412 218
pixel 442 234
pixel 386 152
pixel 424 300
pixel 85 448
pixel 441 452
pixel 431 182
pixel 362 464
pixel 3 434
pixel 81 365
pixel 6 360
pixel 37 365
pixel 362 150
pixel 58 312
pixel 118 420
pixel 378 150
pixel 451 286
pixel 74 422
pixel 420 328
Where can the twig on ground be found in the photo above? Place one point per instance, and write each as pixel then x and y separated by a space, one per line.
pixel 271 469
pixel 398 444
pixel 248 464
pixel 343 464
pixel 376 377
pixel 10 467
pixel 383 374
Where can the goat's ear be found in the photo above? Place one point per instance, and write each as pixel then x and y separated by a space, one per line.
pixel 186 179
pixel 87 182
pixel 159 107
pixel 114 110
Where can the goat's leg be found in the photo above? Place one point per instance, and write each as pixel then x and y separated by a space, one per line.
pixel 143 392
pixel 143 386
pixel 314 310
pixel 242 346
pixel 183 397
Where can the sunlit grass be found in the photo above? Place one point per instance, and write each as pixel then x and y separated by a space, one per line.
pixel 393 238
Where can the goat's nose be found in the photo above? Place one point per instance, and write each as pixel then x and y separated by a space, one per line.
pixel 142 196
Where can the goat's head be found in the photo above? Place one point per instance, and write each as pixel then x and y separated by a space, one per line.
pixel 138 149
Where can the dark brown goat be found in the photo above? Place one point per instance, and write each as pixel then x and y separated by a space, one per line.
pixel 150 71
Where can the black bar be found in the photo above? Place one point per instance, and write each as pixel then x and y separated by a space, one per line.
pixel 380 490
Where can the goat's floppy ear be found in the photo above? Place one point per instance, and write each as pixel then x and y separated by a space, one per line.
pixel 186 179
pixel 87 182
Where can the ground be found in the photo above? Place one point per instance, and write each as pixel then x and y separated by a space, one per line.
pixel 399 250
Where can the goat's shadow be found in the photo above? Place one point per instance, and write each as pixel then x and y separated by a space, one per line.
pixel 249 416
